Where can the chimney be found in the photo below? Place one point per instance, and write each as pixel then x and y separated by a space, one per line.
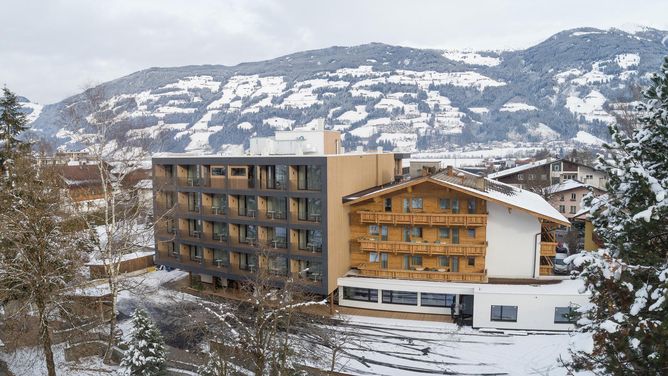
pixel 448 170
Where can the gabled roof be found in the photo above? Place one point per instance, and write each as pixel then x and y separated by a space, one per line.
pixel 524 167
pixel 568 185
pixel 477 186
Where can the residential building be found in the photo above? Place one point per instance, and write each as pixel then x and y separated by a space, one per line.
pixel 456 243
pixel 567 196
pixel 84 189
pixel 545 172
pixel 223 217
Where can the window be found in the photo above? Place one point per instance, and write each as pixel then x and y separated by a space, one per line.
pixel 406 233
pixel 218 171
pixel 455 236
pixel 238 171
pixel 564 315
pixel 383 260
pixel 455 206
pixel 443 232
pixel 574 196
pixel 247 261
pixel 373 257
pixel 309 209
pixel 471 206
pixel 562 209
pixel 561 198
pixel 309 178
pixel 388 204
pixel 556 167
pixel 360 294
pixel 532 176
pixel 520 176
pixel 444 203
pixel 416 203
pixel 573 209
pixel 455 264
pixel 471 261
pixel 470 232
pixel 443 261
pixel 416 260
pixel 383 232
pixel 504 313
pixel 428 299
pixel 417 232
pixel 373 229
pixel 400 297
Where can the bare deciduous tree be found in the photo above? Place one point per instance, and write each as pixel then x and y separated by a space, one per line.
pixel 40 261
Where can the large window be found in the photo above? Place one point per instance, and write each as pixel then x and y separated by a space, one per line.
pixel 276 177
pixel 373 230
pixel 248 262
pixel 221 257
pixel 563 315
pixel 247 206
pixel 238 171
pixel 455 206
pixel 310 240
pixel 428 299
pixel 309 178
pixel 444 203
pixel 309 209
pixel 504 313
pixel 400 297
pixel 416 203
pixel 360 294
pixel 471 206
pixel 277 207
pixel 218 171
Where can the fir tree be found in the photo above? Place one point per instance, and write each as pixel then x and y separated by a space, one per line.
pixel 12 123
pixel 628 278
pixel 145 355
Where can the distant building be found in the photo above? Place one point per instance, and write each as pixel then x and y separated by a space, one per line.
pixel 567 196
pixel 545 172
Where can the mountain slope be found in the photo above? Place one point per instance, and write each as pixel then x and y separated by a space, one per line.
pixel 378 95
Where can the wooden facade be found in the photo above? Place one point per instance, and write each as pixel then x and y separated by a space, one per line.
pixel 423 232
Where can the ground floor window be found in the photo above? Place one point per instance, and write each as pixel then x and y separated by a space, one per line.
pixel 504 313
pixel 360 294
pixel 400 297
pixel 563 315
pixel 428 299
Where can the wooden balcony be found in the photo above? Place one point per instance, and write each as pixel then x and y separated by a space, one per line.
pixel 429 219
pixel 548 249
pixel 372 245
pixel 546 270
pixel 367 270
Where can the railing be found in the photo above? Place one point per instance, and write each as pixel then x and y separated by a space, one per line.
pixel 214 210
pixel 241 183
pixel 430 219
pixel 277 186
pixel 161 182
pixel 548 249
pixel 373 245
pixel 422 275
pixel 311 218
pixel 311 249
pixel 273 215
pixel 191 182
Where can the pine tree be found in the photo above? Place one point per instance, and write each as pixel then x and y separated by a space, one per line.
pixel 145 355
pixel 12 123
pixel 628 278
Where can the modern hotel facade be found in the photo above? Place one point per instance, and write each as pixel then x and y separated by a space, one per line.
pixel 351 224
pixel 222 218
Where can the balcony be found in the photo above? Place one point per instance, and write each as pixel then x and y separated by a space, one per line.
pixel 191 182
pixel 367 270
pixel 374 245
pixel 164 182
pixel 214 210
pixel 429 219
pixel 548 249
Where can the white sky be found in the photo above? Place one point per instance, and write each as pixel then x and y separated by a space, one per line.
pixel 51 49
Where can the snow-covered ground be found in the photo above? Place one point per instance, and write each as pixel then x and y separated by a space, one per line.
pixel 375 346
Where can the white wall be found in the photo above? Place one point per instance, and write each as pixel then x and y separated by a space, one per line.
pixel 511 237
pixel 534 312
pixel 401 285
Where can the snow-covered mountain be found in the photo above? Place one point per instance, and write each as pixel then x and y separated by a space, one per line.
pixel 571 85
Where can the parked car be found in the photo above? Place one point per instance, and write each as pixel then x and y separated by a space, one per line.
pixel 560 267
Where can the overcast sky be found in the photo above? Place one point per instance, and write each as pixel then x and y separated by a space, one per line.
pixel 51 49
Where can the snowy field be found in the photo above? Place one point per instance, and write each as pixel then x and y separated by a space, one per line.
pixel 376 346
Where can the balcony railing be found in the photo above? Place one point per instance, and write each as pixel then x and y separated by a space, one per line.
pixel 546 270
pixel 548 249
pixel 162 182
pixel 374 245
pixel 430 219
pixel 214 210
pixel 367 270
pixel 191 182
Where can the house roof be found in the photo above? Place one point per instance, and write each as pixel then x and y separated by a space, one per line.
pixel 474 185
pixel 524 167
pixel 80 175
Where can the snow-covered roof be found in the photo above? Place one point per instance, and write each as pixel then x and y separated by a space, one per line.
pixel 478 186
pixel 566 185
pixel 126 257
pixel 520 168
pixel 563 287
pixel 144 184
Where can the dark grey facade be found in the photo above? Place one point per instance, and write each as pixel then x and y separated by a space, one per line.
pixel 225 217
